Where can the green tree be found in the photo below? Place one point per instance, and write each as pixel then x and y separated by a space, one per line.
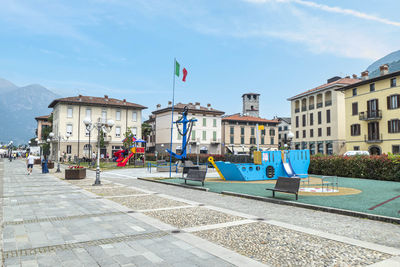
pixel 146 130
pixel 128 142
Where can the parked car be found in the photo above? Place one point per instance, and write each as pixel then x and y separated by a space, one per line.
pixel 356 152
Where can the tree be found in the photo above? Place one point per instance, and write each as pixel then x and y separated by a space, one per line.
pixel 128 142
pixel 146 130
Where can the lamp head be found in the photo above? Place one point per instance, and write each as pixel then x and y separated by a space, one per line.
pixel 36 139
pixel 110 123
pixel 48 140
pixel 290 135
pixel 51 134
pixel 68 135
pixel 87 121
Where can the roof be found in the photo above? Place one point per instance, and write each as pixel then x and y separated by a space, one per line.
pixel 341 82
pixel 360 82
pixel 238 117
pixel 250 94
pixel 42 118
pixel 192 109
pixel 95 101
pixel 288 120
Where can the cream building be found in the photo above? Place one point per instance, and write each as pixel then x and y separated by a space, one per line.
pixel 373 113
pixel 206 132
pixel 42 123
pixel 70 112
pixel 318 117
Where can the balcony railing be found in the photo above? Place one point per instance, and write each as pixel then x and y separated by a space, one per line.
pixel 310 107
pixel 328 103
pixel 297 110
pixel 373 138
pixel 370 115
pixel 304 108
pixel 319 105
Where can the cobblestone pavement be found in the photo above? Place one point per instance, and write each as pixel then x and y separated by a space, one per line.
pixel 127 222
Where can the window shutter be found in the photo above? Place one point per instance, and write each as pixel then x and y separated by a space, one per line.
pixel 389 127
pixel 388 102
pixel 398 101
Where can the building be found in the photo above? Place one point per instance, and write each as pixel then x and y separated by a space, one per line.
pixel 205 135
pixel 239 134
pixel 318 117
pixel 284 127
pixel 251 104
pixel 70 112
pixel 373 113
pixel 42 123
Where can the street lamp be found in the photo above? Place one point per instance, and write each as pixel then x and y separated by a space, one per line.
pixel 87 123
pixel 290 138
pixel 101 127
pixel 58 138
pixel 197 150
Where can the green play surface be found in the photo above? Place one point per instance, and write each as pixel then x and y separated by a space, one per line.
pixel 376 197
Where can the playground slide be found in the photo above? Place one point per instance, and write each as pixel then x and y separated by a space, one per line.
pixel 288 169
pixel 125 160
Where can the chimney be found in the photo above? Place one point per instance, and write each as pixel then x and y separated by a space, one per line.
pixel 80 97
pixel 158 106
pixel 124 100
pixel 384 69
pixel 355 76
pixel 106 97
pixel 169 104
pixel 197 104
pixel 209 106
pixel 347 77
pixel 364 75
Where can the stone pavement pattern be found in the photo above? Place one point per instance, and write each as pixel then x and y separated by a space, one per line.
pixel 48 222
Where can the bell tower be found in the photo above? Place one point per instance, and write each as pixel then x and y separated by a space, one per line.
pixel 251 104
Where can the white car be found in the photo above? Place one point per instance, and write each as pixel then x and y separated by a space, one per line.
pixel 356 152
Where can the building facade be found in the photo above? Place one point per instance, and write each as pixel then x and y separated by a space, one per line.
pixel 373 113
pixel 318 117
pixel 70 112
pixel 284 127
pixel 251 104
pixel 205 135
pixel 239 134
pixel 42 123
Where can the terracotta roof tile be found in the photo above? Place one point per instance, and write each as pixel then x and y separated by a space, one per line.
pixel 192 108
pixel 237 117
pixel 92 100
pixel 45 117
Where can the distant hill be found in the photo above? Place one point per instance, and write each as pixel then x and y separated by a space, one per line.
pixel 392 59
pixel 18 108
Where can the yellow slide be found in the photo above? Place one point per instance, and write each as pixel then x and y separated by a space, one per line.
pixel 211 160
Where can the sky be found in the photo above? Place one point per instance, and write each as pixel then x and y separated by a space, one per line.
pixel 126 49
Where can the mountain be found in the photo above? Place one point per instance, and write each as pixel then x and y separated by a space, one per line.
pixel 18 108
pixel 392 59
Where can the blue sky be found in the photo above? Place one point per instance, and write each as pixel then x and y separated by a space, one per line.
pixel 125 49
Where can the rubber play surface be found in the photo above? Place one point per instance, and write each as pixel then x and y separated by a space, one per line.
pixel 362 195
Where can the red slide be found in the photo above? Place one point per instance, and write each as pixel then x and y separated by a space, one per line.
pixel 123 162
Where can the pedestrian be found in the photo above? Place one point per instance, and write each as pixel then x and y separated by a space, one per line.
pixel 45 169
pixel 29 161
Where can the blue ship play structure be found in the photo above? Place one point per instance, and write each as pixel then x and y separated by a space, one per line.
pixel 287 163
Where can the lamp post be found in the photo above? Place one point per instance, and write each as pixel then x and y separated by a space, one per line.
pixel 100 126
pixel 197 150
pixel 290 138
pixel 58 138
pixel 90 131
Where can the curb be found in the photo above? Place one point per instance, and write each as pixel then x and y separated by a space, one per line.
pixel 319 208
pixel 174 184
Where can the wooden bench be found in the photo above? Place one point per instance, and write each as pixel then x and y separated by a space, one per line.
pixel 196 175
pixel 286 185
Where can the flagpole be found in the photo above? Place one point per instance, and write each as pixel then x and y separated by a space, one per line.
pixel 172 119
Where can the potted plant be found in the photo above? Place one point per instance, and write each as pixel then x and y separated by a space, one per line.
pixel 75 172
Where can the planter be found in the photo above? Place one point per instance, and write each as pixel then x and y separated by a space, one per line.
pixel 75 173
pixel 37 162
pixel 50 165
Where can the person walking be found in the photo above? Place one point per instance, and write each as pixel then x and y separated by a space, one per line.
pixel 45 169
pixel 29 161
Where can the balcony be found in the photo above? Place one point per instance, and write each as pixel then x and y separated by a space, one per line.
pixel 297 110
pixel 310 107
pixel 304 108
pixel 328 103
pixel 319 105
pixel 216 141
pixel 373 138
pixel 371 115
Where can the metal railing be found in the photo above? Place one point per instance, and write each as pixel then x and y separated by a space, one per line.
pixel 328 102
pixel 373 138
pixel 310 107
pixel 319 105
pixel 370 115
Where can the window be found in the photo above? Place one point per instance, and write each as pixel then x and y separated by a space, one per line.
pixel 214 136
pixel 394 126
pixel 242 140
pixel 297 121
pixel 320 148
pixel 232 130
pixel 372 87
pixel 396 149
pixel 304 120
pixel 393 101
pixel 328 131
pixel 319 117
pixel 104 115
pixel 134 130
pixel 329 149
pixel 252 140
pixel 69 149
pixel 279 136
pixel 354 108
pixel 69 129
pixel 272 132
pixel 304 133
pixel 88 113
pixel 355 130
pixel 279 129
pixel 297 134
pixel 328 116
pixel 193 135
pixel 204 121
pixel 242 131
pixel 232 141
pixel 118 115
pixel 285 128
pixel 134 116
pixel 319 131
pixel 263 132
pixel 262 140
pixel 272 140
pixel 252 130
pixel 356 148
pixel 69 112
pixel 354 91
pixel 311 119
pixel 204 137
pixel 393 82
pixel 214 122
pixel 118 131
pixel 311 132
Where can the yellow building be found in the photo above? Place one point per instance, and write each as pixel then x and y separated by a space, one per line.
pixel 373 113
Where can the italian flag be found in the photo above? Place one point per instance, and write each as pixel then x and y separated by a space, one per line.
pixel 177 71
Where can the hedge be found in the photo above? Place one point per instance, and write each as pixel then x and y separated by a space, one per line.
pixel 383 167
